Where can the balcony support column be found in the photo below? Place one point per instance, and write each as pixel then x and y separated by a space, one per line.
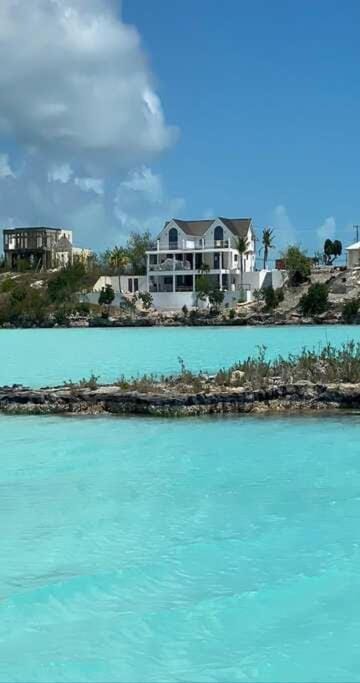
pixel 174 274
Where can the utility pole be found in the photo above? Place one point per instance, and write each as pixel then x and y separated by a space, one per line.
pixel 356 227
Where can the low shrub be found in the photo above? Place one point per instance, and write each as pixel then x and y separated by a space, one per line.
pixel 315 301
pixel 272 297
pixel 350 310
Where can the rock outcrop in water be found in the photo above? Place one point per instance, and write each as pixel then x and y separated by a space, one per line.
pixel 114 400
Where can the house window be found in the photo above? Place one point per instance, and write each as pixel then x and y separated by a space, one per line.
pixel 136 284
pixel 218 234
pixel 130 285
pixel 173 238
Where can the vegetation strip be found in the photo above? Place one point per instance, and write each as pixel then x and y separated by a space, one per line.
pixel 325 379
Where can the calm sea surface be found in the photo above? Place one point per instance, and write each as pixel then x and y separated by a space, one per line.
pixel 38 357
pixel 202 549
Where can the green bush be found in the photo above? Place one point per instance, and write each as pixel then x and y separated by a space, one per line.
pixel 146 300
pixel 107 295
pixel 272 297
pixel 232 313
pixel 350 310
pixel 297 264
pixel 315 301
pixel 8 284
pixel 66 283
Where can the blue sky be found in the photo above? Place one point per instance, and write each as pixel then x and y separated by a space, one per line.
pixel 265 95
pixel 251 111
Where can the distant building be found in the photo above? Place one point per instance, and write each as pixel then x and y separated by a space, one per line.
pixel 41 248
pixel 353 255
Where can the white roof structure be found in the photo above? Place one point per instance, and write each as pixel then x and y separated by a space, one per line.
pixel 353 247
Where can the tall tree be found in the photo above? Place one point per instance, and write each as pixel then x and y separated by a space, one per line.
pixel 137 246
pixel 241 247
pixel 267 243
pixel 119 259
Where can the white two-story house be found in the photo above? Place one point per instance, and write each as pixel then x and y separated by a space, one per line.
pixel 185 249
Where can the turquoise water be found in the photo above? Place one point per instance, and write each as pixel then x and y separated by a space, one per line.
pixel 200 550
pixel 40 357
pixel 191 550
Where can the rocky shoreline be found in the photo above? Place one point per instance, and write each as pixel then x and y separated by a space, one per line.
pixel 113 400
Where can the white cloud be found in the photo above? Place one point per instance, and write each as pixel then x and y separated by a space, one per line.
pixel 327 230
pixel 5 169
pixel 60 173
pixel 75 83
pixel 141 202
pixel 90 185
pixel 284 230
pixel 79 105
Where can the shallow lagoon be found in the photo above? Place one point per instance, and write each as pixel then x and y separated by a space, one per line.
pixel 212 549
pixel 193 550
pixel 43 357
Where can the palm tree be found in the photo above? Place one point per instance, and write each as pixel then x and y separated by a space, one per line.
pixel 118 258
pixel 241 246
pixel 267 243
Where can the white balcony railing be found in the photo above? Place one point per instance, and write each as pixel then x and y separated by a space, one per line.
pixel 190 245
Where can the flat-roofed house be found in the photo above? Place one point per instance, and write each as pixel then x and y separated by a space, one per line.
pixel 41 248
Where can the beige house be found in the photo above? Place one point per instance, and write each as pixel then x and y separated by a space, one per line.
pixel 353 255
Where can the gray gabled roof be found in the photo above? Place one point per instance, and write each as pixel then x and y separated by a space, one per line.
pixel 63 244
pixel 238 226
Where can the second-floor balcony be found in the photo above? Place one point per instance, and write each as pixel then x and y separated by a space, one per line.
pixel 191 244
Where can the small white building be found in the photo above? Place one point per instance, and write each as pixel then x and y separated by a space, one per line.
pixel 184 248
pixel 353 255
pixel 65 252
pixel 122 284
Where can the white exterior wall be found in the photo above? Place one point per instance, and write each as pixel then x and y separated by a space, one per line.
pixel 120 283
pixel 353 258
pixel 174 301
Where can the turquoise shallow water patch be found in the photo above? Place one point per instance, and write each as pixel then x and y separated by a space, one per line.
pixel 191 550
pixel 41 357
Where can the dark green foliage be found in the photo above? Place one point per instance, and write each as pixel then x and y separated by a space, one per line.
pixel 146 299
pixel 331 251
pixel 216 298
pixel 203 286
pixel 232 313
pixel 185 310
pixel 272 297
pixel 315 301
pixel 350 310
pixel 297 265
pixel 8 284
pixel 137 244
pixel 24 306
pixel 106 296
pixel 66 283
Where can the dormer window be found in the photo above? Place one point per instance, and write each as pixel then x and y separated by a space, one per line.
pixel 218 236
pixel 173 238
